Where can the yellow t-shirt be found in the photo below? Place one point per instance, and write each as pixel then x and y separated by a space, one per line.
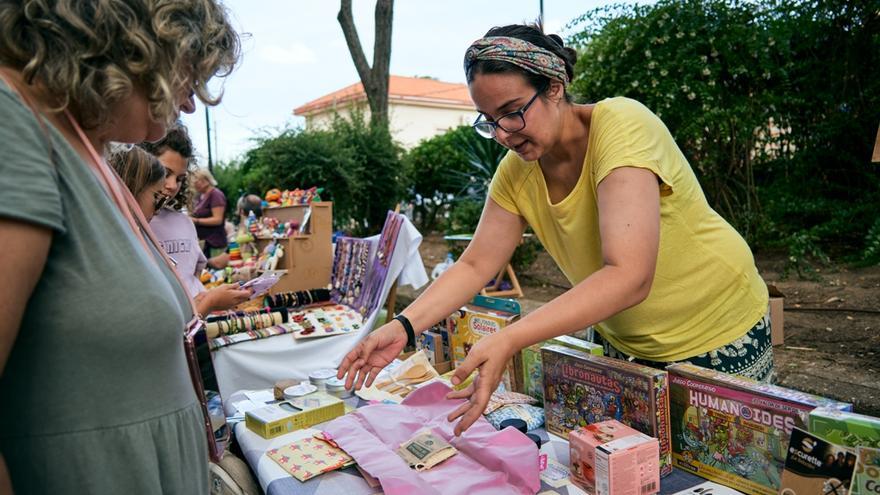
pixel 706 290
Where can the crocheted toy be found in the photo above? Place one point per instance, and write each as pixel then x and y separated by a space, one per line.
pixel 234 254
pixel 273 197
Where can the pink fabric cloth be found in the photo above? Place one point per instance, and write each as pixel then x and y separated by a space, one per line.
pixel 488 461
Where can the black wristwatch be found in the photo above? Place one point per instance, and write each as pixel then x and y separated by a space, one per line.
pixel 410 333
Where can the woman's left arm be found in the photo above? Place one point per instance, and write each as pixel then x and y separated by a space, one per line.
pixel 629 226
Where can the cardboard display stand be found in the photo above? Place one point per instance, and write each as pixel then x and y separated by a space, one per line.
pixel 876 157
pixel 777 316
pixel 308 257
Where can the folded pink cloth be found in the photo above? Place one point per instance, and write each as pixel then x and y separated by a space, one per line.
pixel 488 461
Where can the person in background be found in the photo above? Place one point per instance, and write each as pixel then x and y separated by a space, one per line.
pixel 246 204
pixel 95 384
pixel 661 275
pixel 208 213
pixel 175 230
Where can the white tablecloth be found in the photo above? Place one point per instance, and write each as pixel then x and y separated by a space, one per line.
pixel 260 363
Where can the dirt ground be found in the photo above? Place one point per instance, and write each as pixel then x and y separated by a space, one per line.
pixel 832 326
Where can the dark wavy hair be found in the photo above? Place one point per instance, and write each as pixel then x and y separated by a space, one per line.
pixel 534 34
pixel 177 139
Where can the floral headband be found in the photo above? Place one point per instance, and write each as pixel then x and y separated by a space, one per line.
pixel 517 52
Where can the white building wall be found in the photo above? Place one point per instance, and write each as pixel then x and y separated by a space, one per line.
pixel 409 124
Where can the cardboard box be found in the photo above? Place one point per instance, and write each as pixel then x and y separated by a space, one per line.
pixel 777 316
pixel 876 156
pixel 284 417
pixel 611 458
pixel 733 430
pixel 308 258
pixel 582 389
pixel 532 365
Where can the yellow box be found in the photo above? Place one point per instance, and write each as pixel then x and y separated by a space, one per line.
pixel 295 414
pixel 471 323
pixel 475 321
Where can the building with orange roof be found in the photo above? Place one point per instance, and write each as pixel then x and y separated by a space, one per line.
pixel 418 108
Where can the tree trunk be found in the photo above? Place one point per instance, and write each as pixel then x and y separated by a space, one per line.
pixel 375 78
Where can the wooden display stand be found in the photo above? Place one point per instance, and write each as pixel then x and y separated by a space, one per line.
pixel 494 290
pixel 308 258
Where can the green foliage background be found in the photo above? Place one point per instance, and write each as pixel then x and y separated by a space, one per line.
pixel 774 103
pixel 357 163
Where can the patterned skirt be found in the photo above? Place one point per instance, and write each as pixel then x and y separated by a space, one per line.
pixel 750 356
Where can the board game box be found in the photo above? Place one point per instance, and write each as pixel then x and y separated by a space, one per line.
pixel 866 479
pixel 733 430
pixel 533 371
pixel 845 428
pixel 582 389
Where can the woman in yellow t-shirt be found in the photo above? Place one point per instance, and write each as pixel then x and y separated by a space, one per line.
pixel 614 201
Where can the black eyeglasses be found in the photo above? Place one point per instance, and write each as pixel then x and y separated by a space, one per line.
pixel 511 122
pixel 159 200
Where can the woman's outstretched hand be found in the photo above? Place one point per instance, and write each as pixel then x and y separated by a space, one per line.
pixel 366 360
pixel 490 356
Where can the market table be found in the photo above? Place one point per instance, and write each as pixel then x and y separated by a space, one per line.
pixel 254 363
pixel 275 481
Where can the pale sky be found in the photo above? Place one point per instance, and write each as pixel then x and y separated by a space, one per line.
pixel 294 52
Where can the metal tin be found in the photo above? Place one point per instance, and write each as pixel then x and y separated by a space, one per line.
pixel 336 388
pixel 304 388
pixel 319 377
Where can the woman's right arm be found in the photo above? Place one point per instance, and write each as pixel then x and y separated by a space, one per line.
pixel 23 258
pixel 497 235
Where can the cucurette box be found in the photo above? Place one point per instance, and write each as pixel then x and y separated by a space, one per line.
pixel 733 430
pixel 610 458
pixel 582 389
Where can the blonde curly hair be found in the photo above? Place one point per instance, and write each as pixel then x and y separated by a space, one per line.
pixel 90 54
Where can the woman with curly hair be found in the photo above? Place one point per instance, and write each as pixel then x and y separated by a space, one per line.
pixel 91 316
pixel 175 230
